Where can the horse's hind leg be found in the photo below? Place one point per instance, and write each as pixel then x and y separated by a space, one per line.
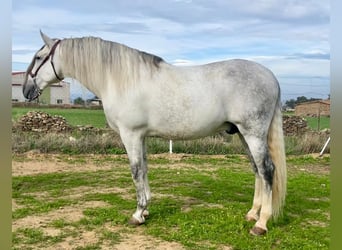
pixel 135 147
pixel 253 214
pixel 264 169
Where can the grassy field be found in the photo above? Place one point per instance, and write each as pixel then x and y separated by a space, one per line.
pixel 97 118
pixel 318 124
pixel 82 199
pixel 199 202
pixel 74 117
pixel 314 122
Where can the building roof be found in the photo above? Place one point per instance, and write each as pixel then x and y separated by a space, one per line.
pixel 18 72
pixel 327 102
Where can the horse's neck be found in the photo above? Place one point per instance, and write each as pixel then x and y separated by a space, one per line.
pixel 100 74
pixel 86 78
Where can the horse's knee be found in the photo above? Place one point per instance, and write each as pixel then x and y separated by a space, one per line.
pixel 136 171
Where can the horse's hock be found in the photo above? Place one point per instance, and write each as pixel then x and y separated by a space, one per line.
pixel 38 121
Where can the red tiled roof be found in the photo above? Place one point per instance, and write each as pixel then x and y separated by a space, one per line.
pixel 18 73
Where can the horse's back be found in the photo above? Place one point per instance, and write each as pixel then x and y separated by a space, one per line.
pixel 240 73
pixel 235 84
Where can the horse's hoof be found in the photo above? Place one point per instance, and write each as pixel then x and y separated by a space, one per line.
pixel 257 231
pixel 134 222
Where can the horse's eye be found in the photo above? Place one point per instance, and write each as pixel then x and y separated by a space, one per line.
pixel 38 58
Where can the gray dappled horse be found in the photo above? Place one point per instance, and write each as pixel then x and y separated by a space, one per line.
pixel 142 95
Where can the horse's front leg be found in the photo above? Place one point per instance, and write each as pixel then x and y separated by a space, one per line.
pixel 145 180
pixel 135 146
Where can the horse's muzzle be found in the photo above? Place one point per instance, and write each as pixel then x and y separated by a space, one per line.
pixel 31 91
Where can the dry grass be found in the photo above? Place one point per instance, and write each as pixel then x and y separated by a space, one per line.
pixel 108 142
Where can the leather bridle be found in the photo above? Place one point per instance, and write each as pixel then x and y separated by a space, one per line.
pixel 51 54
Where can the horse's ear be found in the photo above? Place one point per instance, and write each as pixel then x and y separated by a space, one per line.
pixel 47 40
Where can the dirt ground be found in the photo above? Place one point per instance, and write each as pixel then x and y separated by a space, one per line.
pixel 32 163
pixel 40 163
pixel 36 163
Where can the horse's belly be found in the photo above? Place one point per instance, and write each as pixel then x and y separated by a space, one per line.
pixel 186 129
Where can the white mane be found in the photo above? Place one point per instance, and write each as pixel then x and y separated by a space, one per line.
pixel 93 61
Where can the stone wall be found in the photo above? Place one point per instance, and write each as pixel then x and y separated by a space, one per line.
pixel 294 125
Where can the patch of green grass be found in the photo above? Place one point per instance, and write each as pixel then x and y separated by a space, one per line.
pixel 34 237
pixel 59 223
pixel 39 207
pixel 74 117
pixel 113 199
pixel 200 205
pixel 316 123
pixel 225 225
pixel 308 159
pixel 112 237
pixel 59 181
pixel 227 160
pixel 90 247
pixel 31 235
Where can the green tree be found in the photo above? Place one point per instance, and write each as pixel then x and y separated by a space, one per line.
pixel 300 99
pixel 79 101
pixel 290 103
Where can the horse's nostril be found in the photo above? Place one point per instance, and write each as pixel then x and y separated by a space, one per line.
pixel 31 91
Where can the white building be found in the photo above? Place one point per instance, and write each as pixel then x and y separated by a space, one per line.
pixel 58 93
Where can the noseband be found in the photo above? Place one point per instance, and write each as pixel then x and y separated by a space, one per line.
pixel 51 54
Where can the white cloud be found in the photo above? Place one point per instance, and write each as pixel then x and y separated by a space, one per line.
pixel 300 67
pixel 182 62
pixel 291 37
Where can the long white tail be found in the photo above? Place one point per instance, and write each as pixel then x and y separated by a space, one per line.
pixel 277 153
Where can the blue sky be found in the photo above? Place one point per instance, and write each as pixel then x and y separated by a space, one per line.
pixel 290 37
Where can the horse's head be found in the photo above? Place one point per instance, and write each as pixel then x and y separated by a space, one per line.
pixel 43 70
